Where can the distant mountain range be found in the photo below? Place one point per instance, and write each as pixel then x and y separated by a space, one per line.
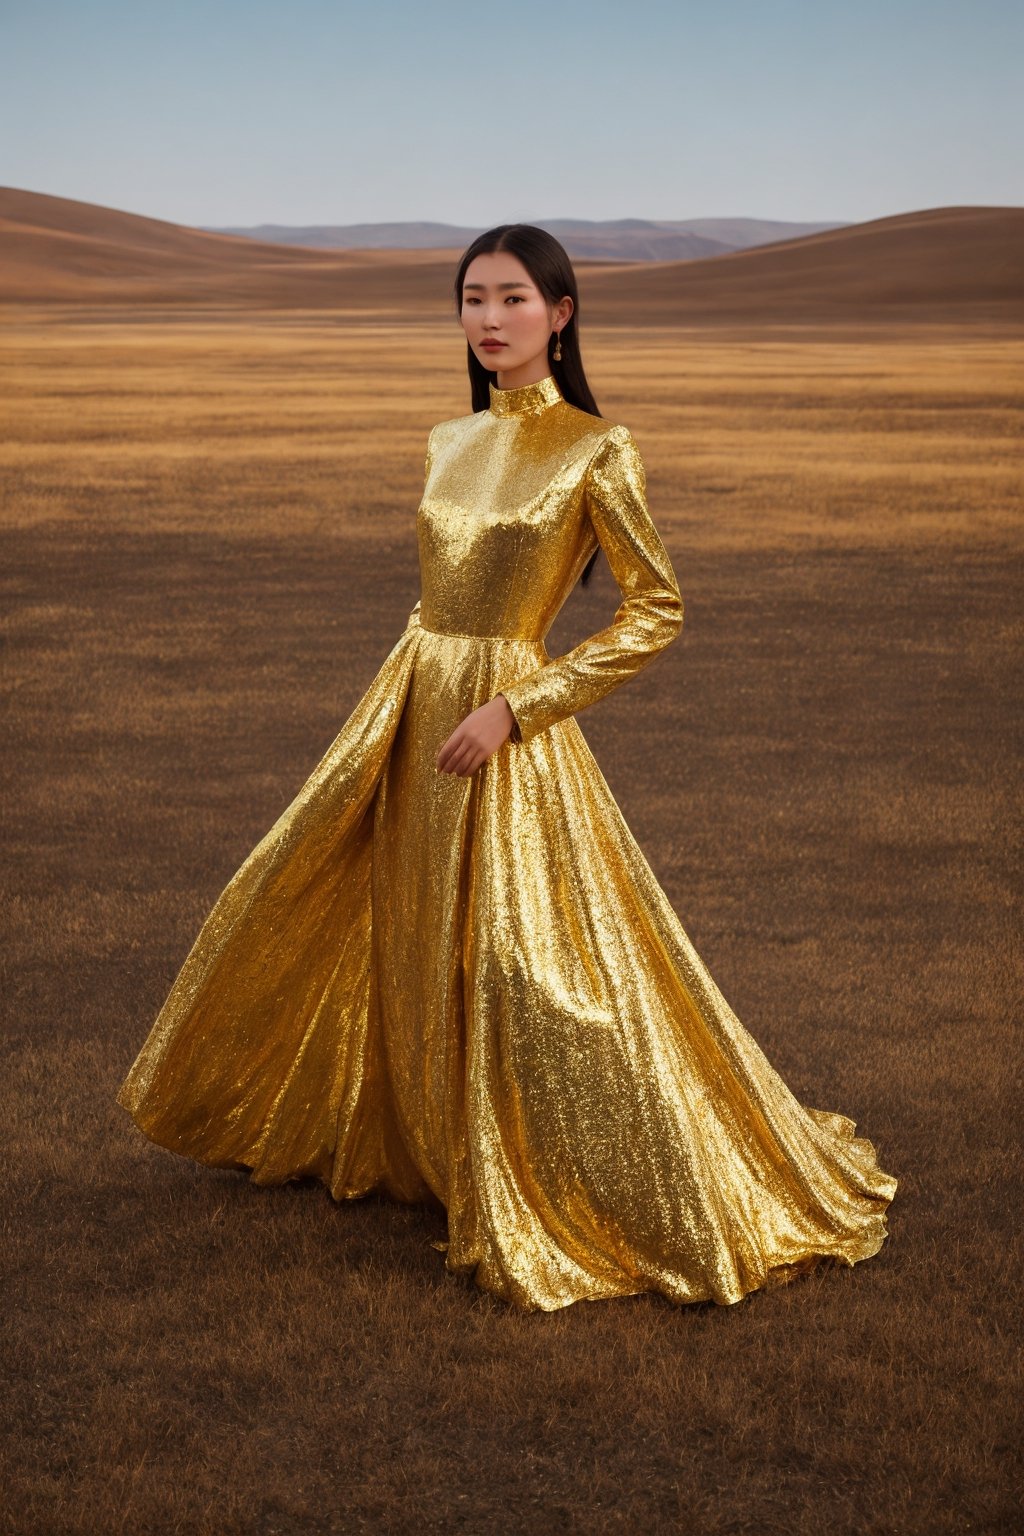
pixel 594 239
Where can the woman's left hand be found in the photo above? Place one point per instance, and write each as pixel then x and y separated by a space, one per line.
pixel 476 737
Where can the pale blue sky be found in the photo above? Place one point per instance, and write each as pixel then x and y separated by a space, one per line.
pixel 326 111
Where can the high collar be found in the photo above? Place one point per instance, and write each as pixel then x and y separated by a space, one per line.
pixel 527 400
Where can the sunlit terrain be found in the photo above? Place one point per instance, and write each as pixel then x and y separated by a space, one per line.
pixel 208 532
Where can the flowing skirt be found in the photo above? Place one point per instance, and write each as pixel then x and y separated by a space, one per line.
pixel 473 991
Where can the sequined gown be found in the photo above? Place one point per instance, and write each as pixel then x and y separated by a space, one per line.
pixel 472 990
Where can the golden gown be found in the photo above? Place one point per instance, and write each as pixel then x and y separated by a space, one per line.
pixel 472 990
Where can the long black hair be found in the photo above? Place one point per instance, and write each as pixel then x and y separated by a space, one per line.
pixel 548 264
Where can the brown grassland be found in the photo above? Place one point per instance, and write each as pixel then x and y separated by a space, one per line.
pixel 208 549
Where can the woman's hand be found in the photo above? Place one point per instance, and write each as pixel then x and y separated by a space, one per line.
pixel 476 737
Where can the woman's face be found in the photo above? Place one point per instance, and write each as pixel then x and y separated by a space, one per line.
pixel 507 319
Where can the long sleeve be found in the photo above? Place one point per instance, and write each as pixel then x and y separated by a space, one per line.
pixel 649 616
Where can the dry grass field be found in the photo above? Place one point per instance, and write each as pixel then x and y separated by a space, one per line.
pixel 208 549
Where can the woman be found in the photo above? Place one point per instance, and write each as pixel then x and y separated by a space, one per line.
pixel 447 973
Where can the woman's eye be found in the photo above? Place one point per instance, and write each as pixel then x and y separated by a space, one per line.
pixel 515 298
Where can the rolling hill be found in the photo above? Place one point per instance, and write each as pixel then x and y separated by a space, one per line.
pixel 936 264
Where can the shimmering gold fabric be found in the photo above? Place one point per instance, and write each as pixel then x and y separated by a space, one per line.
pixel 473 990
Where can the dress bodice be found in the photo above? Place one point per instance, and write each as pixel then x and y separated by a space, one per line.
pixel 516 499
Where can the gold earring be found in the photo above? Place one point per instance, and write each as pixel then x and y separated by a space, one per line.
pixel 558 347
